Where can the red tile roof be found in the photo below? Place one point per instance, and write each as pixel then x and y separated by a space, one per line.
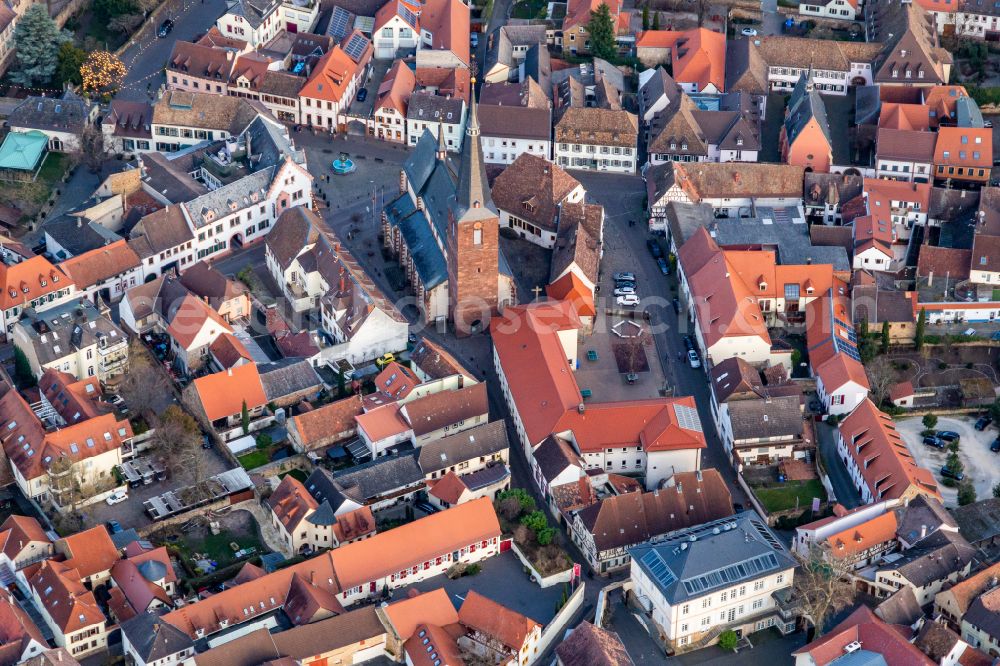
pixel 229 351
pixel 90 268
pixel 912 117
pixel 397 86
pixel 578 11
pixel 432 607
pixel 570 288
pixel 31 449
pixel 70 605
pixel 957 146
pixel 855 540
pixel 346 567
pixel 90 552
pixel 291 503
pixel 482 614
pixel 878 451
pixel 192 315
pixel 653 424
pixel 28 280
pixel 222 394
pixel 17 631
pixel 862 626
pixel 448 21
pixel 17 532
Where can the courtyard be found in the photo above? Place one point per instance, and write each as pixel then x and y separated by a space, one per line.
pixel 981 465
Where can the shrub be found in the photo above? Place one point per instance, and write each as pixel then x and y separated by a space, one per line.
pixel 966 493
pixel 523 497
pixel 264 441
pixel 535 521
pixel 472 569
pixel 728 640
pixel 930 421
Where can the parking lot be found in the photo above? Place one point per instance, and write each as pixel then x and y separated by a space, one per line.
pixel 981 464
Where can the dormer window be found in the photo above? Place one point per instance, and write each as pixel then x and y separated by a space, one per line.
pixel 684 146
pixel 44 283
pixel 739 142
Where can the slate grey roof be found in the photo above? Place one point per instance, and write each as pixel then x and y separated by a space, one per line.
pixel 230 198
pixel 933 558
pixel 804 105
pixel 982 613
pixel 483 440
pixel 320 485
pixel 820 189
pixel 658 85
pixel 676 564
pixel 952 205
pixel 154 639
pixel 323 515
pixel 68 327
pixel 270 143
pixel 792 240
pixel 428 260
pixel 537 65
pixel 486 476
pixel 901 607
pixel 419 165
pixel 382 476
pixel 762 418
pixel 920 513
pixel 77 235
pixel 980 520
pixel 288 377
pixel 254 11
pixel 169 176
pixel 867 105
pixel 554 455
pixel 53 114
pixel 428 107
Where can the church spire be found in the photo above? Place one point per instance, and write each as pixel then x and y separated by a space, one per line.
pixel 472 197
pixel 442 151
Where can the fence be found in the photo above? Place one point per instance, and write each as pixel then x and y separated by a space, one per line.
pixel 278 467
pixel 557 627
pixel 554 579
pixel 602 599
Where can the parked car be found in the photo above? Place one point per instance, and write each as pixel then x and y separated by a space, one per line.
pixel 677 305
pixel 385 359
pixel 749 32
pixel 624 276
pixel 662 263
pixel 688 342
pixel 984 421
pixel 630 301
pixel 995 446
pixel 116 497
pixel 948 474
pixel 930 440
pixel 693 359
pixel 625 283
pixel 474 39
pixel 363 94
pixel 165 28
pixel 114 527
pixel 426 507
pixel 654 248
pixel 625 291
pixel 206 441
pixel 948 435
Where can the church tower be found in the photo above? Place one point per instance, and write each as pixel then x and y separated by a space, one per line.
pixel 473 239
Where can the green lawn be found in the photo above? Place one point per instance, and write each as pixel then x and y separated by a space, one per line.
pixel 217 547
pixel 254 459
pixel 781 497
pixel 295 474
pixel 528 9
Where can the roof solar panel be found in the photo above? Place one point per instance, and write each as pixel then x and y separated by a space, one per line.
pixel 687 418
pixel 339 20
pixel 658 568
pixel 407 15
pixel 356 46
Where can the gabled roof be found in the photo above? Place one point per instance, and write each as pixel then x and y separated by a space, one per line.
pixel 876 637
pixel 291 503
pixel 189 317
pixel 17 631
pixel 90 552
pixel 222 394
pixel 397 86
pixel 964 146
pixel 870 534
pixel 329 420
pixel 532 188
pixel 885 464
pixel 28 280
pixel 18 532
pixel 486 616
pixel 332 75
pixel 626 520
pixel 71 606
pixel 153 638
pixel 90 268
pixel 588 645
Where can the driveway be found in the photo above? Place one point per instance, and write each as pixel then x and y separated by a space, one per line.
pixel 503 580
pixel 981 464
pixel 840 479
pixel 147 55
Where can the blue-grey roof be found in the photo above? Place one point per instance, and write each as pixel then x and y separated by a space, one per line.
pixel 860 658
pixel 804 105
pixel 419 165
pixel 238 192
pixel 270 143
pixel 713 555
pixel 382 476
pixel 504 266
pixel 270 561
pixel 428 260
pixel 967 113
pixel 439 195
pixel 323 515
pixel 791 239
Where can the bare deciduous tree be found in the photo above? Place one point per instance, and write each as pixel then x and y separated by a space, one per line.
pixel 823 587
pixel 144 384
pixel 880 377
pixel 178 440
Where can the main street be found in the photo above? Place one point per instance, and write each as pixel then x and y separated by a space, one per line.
pixel 147 54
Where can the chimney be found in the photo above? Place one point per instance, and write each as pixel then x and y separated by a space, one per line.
pixel 736 177
pixel 229 371
pixel 697 475
pixel 923 531
pixel 580 408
